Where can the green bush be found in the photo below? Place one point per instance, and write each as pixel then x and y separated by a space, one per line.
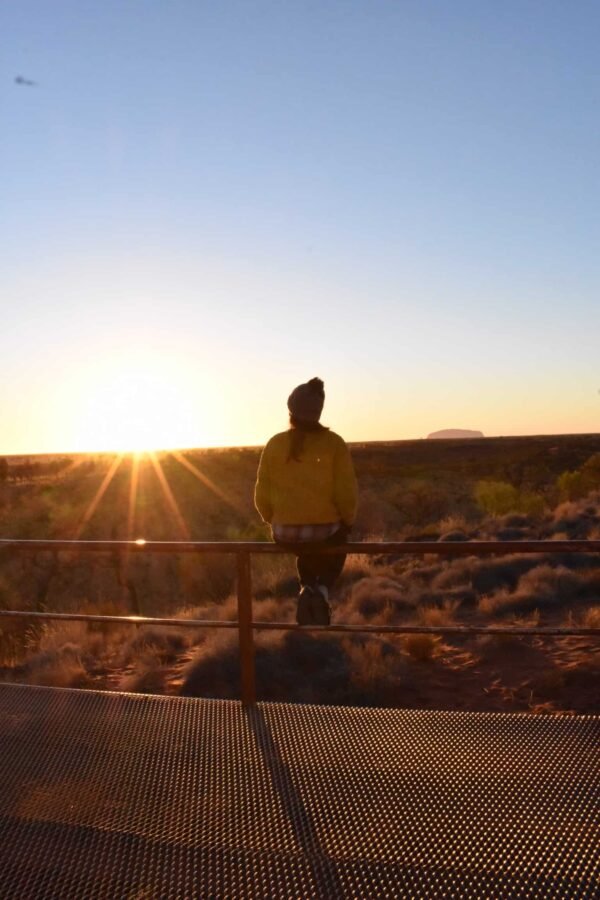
pixel 591 471
pixel 571 485
pixel 530 503
pixel 496 497
pixel 574 485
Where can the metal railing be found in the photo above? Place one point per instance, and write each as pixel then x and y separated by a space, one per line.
pixel 245 624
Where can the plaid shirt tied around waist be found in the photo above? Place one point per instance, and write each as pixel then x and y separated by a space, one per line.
pixel 294 534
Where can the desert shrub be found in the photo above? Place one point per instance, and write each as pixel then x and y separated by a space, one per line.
pixel 373 597
pixel 591 473
pixel 145 679
pixel 454 536
pixel 373 663
pixel 501 499
pixel 573 485
pixel 156 644
pixel 591 617
pixel 56 668
pixel 511 534
pixel 55 636
pixel 453 523
pixel 542 587
pixel 497 498
pixel 438 615
pixel 225 611
pixel 15 638
pixel 303 667
pixel 485 575
pixel 273 576
pixel 422 503
pixel 421 647
pixel 530 503
pixel 356 567
pixel 515 520
pixel 274 609
pixel 214 669
pixel 574 519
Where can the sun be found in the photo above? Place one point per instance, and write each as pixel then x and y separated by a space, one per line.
pixel 139 403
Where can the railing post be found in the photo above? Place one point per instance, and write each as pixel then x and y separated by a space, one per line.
pixel 245 630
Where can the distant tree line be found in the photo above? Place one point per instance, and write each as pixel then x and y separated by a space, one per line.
pixel 26 470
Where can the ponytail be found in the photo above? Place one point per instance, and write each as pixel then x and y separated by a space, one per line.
pixel 297 432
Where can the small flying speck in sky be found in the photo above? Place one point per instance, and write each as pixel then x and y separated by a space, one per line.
pixel 25 81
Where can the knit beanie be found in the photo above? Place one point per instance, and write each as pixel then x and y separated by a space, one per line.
pixel 306 401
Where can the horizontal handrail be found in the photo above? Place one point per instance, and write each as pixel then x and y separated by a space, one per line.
pixel 289 626
pixel 369 548
pixel 243 551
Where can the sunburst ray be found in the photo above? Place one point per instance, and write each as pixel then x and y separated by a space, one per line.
pixel 95 502
pixel 133 490
pixel 209 483
pixel 171 502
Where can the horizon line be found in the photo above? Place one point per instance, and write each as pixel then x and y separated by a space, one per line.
pixel 208 448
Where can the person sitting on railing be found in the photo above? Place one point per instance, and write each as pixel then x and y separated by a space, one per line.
pixel 306 490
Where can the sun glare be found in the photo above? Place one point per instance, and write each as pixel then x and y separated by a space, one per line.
pixel 138 405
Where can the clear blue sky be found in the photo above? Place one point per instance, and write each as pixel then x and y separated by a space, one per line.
pixel 204 203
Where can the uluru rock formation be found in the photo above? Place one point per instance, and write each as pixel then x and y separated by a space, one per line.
pixel 455 433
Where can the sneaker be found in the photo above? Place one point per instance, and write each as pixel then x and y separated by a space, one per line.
pixel 324 590
pixel 320 606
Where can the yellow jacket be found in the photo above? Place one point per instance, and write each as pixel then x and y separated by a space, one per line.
pixel 319 489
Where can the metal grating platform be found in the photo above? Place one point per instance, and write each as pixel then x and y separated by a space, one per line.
pixel 119 795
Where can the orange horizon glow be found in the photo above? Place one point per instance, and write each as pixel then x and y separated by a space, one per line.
pixel 143 452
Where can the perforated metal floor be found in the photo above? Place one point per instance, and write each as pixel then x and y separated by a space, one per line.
pixel 109 796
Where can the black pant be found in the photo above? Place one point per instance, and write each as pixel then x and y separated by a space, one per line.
pixel 320 568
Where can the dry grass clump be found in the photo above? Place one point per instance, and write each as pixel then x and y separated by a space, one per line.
pixel 421 647
pixel 273 576
pixel 453 536
pixel 454 523
pixel 54 637
pixel 545 586
pixel 67 654
pixel 591 617
pixel 369 661
pixel 576 518
pixel 274 610
pixel 213 670
pixel 438 615
pixel 356 567
pixel 145 679
pixel 56 668
pixel 226 611
pixel 160 645
pixel 485 575
pixel 379 675
pixel 378 598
